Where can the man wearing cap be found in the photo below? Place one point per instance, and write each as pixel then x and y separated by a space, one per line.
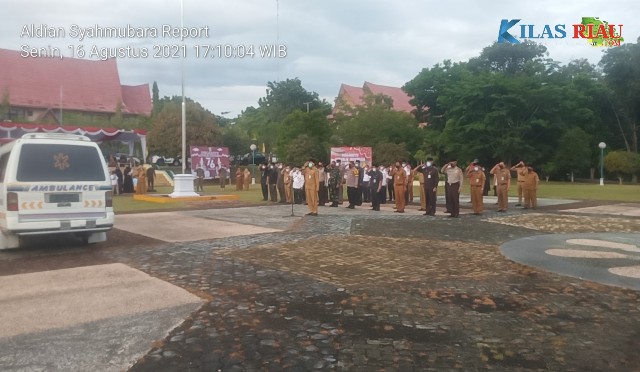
pixel 455 180
pixel 351 178
pixel 477 180
pixel 503 180
pixel 311 186
pixel 431 179
pixel 518 168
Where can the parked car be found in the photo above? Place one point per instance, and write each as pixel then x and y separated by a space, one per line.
pixel 164 160
pixel 253 158
pixel 123 158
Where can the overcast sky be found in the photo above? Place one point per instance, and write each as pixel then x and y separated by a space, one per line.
pixel 327 42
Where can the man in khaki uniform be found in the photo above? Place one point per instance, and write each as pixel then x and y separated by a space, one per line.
pixel 311 186
pixel 518 168
pixel 530 187
pixel 477 180
pixel 503 179
pixel 400 187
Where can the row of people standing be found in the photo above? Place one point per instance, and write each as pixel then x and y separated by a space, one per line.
pixel 139 180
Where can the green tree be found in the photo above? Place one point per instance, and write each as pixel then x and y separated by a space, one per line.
pixel 303 148
pixel 237 140
pixel 574 151
pixel 622 163
pixel 282 98
pixel 387 153
pixel 166 134
pixel 379 124
pixel 314 124
pixel 621 66
pixel 155 100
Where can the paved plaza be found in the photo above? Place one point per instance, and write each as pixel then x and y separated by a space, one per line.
pixel 259 288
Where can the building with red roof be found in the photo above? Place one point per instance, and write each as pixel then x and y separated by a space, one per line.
pixel 41 89
pixel 350 97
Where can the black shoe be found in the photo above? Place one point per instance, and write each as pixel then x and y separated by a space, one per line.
pixel 518 205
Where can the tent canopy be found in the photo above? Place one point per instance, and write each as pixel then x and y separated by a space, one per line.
pixel 10 131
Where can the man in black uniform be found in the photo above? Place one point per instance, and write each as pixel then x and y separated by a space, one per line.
pixel 272 181
pixel 264 175
pixel 375 187
pixel 431 178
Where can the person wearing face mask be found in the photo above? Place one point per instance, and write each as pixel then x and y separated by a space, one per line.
pixel 334 177
pixel 288 184
pixel 408 195
pixel 264 175
pixel 503 180
pixel 390 171
pixel 400 187
pixel 423 196
pixel 280 183
pixel 359 187
pixel 455 179
pixel 342 168
pixel 530 186
pixel 366 191
pixel 431 179
pixel 247 178
pixel 477 180
pixel 322 190
pixel 239 179
pixel 311 186
pixel 351 178
pixel 272 181
pixel 375 186
pixel 385 182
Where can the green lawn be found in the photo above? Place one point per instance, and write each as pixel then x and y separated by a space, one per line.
pixel 553 190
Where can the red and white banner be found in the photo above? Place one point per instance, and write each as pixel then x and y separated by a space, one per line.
pixel 347 154
pixel 210 159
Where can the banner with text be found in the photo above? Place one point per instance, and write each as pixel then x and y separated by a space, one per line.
pixel 347 154
pixel 210 159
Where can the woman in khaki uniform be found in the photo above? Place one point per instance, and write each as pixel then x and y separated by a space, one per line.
pixel 239 179
pixel 247 179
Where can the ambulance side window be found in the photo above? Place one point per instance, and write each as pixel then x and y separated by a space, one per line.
pixel 3 165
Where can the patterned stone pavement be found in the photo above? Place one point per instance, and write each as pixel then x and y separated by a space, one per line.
pixel 370 291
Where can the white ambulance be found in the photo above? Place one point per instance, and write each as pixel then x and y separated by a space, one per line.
pixel 52 184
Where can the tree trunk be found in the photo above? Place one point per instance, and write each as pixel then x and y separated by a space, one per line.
pixel 634 178
pixel 620 179
pixel 571 176
pixel 592 172
pixel 547 178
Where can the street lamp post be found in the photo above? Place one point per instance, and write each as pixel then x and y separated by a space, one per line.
pixel 253 148
pixel 602 146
